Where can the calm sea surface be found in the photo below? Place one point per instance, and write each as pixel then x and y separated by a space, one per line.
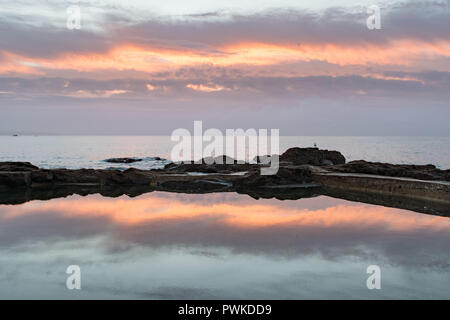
pixel 88 152
pixel 221 245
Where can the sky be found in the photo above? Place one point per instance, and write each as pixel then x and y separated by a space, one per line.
pixel 140 67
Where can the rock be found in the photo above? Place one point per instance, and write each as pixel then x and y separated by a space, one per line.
pixel 168 166
pixel 15 179
pixel 76 176
pixel 111 177
pixel 220 160
pixel 312 156
pixel 295 174
pixel 262 159
pixel 284 176
pixel 21 181
pixel 17 166
pixel 92 176
pixel 207 165
pixel 123 160
pixel 422 172
pixel 139 177
pixel 326 162
pixel 41 176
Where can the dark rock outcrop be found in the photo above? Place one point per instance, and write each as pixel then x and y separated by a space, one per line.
pixel 422 172
pixel 312 156
pixel 221 164
pixel 123 160
pixel 15 179
pixel 293 156
pixel 17 166
pixel 27 175
pixel 285 176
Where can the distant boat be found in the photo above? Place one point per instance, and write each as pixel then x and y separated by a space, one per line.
pixel 15 135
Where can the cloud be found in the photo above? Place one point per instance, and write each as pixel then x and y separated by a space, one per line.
pixel 205 88
pixel 48 41
pixel 411 33
pixel 273 59
pixel 426 84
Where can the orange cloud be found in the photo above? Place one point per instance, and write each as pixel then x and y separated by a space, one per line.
pixel 147 59
pixel 98 94
pixel 205 88
pixel 12 63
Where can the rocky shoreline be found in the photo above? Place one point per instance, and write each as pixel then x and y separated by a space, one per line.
pixel 303 172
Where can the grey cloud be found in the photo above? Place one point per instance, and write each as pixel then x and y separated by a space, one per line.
pixel 48 41
pixel 436 78
pixel 432 83
pixel 422 21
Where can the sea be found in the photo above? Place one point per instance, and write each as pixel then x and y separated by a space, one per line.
pixel 76 152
